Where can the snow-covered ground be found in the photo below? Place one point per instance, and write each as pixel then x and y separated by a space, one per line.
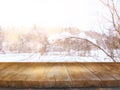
pixel 96 56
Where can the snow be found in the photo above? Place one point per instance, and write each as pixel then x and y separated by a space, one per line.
pixel 61 36
pixel 53 38
pixel 97 56
pixel 64 35
pixel 84 36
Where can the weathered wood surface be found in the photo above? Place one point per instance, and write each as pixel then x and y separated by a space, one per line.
pixel 113 88
pixel 59 75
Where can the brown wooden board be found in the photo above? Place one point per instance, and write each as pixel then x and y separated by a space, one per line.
pixel 59 75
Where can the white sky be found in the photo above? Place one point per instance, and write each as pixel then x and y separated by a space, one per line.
pixel 82 14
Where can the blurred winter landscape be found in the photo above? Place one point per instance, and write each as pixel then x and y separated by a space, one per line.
pixel 67 45
pixel 53 57
pixel 60 31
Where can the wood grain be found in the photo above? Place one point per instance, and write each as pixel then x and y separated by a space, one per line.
pixel 59 75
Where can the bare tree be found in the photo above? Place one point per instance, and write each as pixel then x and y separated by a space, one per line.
pixel 114 9
pixel 96 45
pixel 2 37
pixel 114 32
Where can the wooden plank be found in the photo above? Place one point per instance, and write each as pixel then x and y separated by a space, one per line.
pixel 58 73
pixel 21 74
pixel 8 72
pixel 63 78
pixel 53 75
pixel 33 75
pixel 92 79
pixel 48 79
pixel 81 76
pixel 113 70
pixel 100 71
pixel 3 65
pixel 77 77
pixel 106 78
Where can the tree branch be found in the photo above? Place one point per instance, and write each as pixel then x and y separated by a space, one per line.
pixel 95 46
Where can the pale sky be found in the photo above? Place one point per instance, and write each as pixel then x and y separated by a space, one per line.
pixel 82 14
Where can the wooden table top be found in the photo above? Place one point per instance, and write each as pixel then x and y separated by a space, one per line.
pixel 52 75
